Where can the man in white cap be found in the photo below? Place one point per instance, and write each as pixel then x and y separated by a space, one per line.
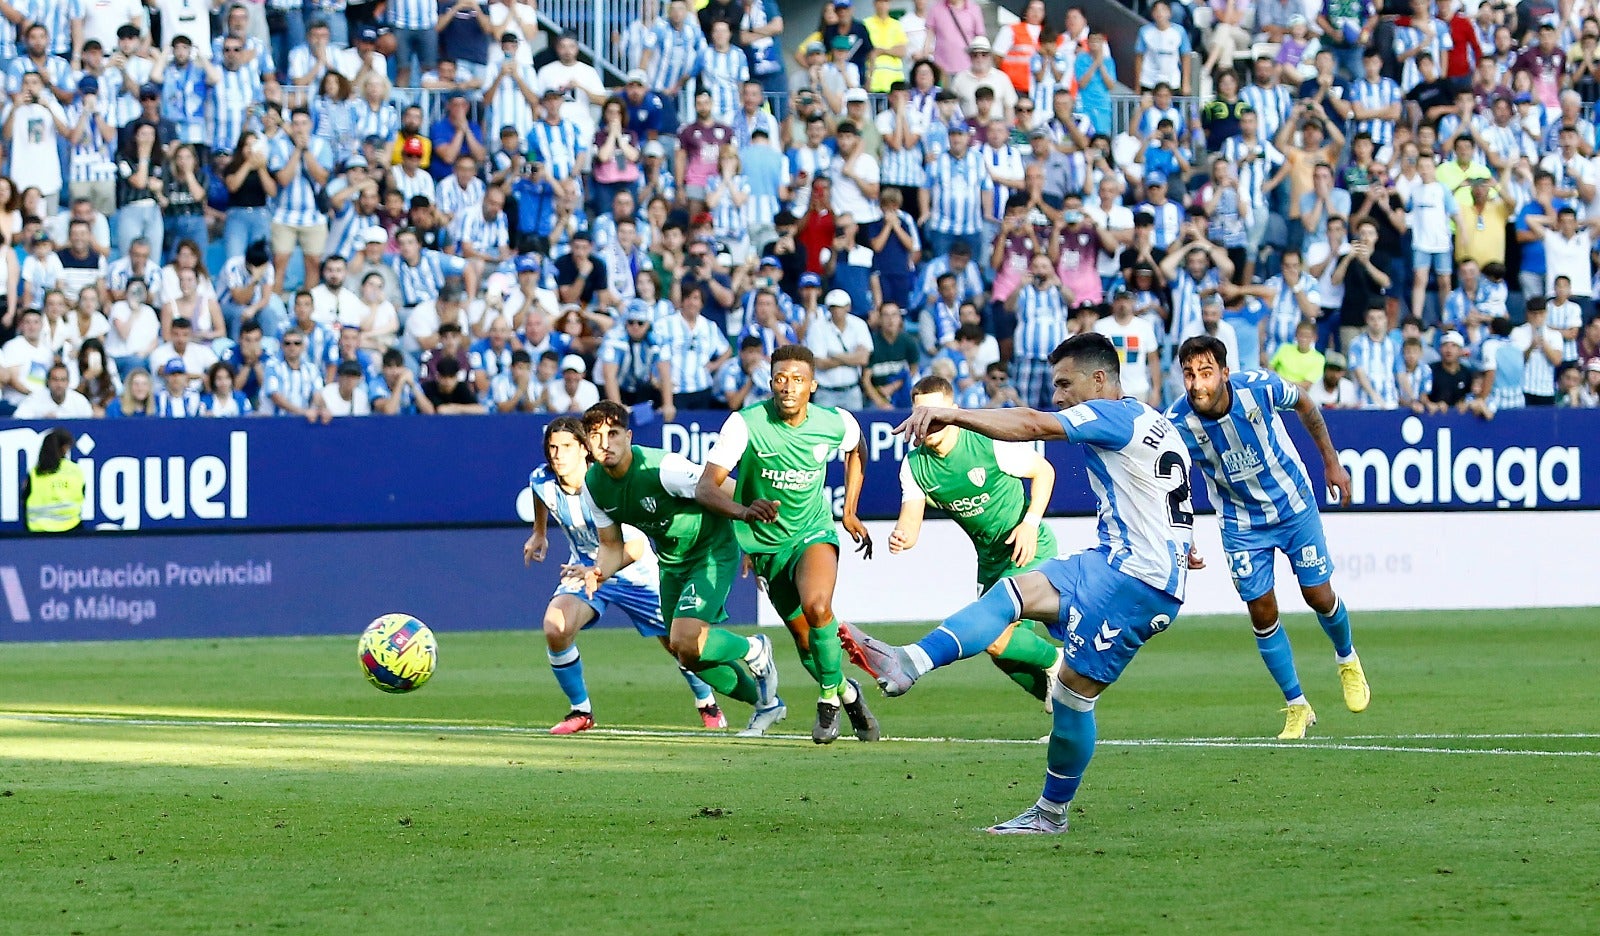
pixel 373 243
pixel 573 393
pixel 983 74
pixel 644 111
pixel 842 344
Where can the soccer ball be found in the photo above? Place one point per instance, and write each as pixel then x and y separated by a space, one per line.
pixel 397 653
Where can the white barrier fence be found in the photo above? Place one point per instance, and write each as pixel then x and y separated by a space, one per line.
pixel 1440 560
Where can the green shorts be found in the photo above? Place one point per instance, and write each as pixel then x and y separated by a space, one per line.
pixel 776 572
pixel 698 587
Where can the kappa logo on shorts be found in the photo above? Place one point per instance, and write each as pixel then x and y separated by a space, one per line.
pixel 649 504
pixel 689 600
pixel 977 476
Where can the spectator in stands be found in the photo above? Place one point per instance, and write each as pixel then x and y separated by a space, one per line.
pixel 842 344
pixel 746 379
pixel 221 398
pixel 347 396
pixel 448 393
pixel 1334 390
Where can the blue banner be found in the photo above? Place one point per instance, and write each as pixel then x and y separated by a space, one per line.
pixel 455 471
pixel 119 586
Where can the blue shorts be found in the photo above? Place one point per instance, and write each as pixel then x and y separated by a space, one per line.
pixel 1106 615
pixel 1250 554
pixel 1442 262
pixel 640 603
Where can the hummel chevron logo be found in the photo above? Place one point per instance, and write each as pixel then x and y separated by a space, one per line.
pixel 1102 640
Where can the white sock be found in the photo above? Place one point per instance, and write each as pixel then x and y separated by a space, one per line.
pixel 848 693
pixel 832 700
pixel 1298 700
pixel 1345 659
pixel 583 707
pixel 1056 811
pixel 754 651
pixel 921 664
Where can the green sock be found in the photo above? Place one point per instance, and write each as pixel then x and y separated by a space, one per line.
pixel 723 646
pixel 808 658
pixel 1027 659
pixel 829 656
pixel 733 681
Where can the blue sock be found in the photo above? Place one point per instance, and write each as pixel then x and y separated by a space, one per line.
pixel 568 667
pixel 1279 657
pixel 1337 627
pixel 971 630
pixel 702 692
pixel 1071 745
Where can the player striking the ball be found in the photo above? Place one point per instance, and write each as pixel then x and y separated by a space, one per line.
pixel 978 482
pixel 1103 603
pixel 557 488
pixel 1263 496
pixel 784 520
pixel 698 556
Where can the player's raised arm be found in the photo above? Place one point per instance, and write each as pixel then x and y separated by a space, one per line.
pixel 1016 424
pixel 913 505
pixel 714 489
pixel 1337 478
pixel 855 474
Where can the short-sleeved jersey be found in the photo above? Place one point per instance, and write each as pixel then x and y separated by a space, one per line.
pixel 1250 464
pixel 657 496
pixel 978 483
pixel 1139 471
pixel 788 464
pixel 576 518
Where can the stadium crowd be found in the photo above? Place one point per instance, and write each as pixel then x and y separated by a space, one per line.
pixel 239 213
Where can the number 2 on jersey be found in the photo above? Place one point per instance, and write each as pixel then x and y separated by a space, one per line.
pixel 1179 510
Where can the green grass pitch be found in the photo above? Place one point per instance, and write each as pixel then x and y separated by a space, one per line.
pixel 261 785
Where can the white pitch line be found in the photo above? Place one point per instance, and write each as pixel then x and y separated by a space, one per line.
pixel 1332 744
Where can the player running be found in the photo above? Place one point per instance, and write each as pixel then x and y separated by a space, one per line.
pixel 558 491
pixel 784 520
pixel 1103 603
pixel 978 482
pixel 1231 425
pixel 698 556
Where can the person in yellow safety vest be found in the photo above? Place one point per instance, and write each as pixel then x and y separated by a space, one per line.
pixel 55 491
pixel 1016 45
pixel 888 47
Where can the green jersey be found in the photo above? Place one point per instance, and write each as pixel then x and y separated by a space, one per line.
pixel 977 483
pixel 657 496
pixel 788 464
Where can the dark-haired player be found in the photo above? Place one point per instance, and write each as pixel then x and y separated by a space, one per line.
pixel 1265 503
pixel 784 520
pixel 557 488
pixel 653 490
pixel 1103 603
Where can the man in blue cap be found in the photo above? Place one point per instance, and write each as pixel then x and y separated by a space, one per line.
pixel 92 173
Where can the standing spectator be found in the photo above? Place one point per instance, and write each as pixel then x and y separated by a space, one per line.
pixel 673 62
pixel 722 70
pixel 1135 341
pixel 895 358
pixel 184 82
pixel 141 181
pixel 31 129
pixel 699 147
pixel 1541 347
pixel 692 349
pixel 842 344
pixel 1040 306
pixel 982 74
pixel 953 25
pixel 412 23
pixel 1161 52
pixel 959 186
pixel 300 164
pixel 1374 359
pixel 1568 251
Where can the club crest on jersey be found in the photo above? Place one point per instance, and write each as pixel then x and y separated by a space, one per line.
pixel 820 450
pixel 649 504
pixel 977 476
pixel 1256 417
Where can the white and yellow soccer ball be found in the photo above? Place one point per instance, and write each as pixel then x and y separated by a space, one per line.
pixel 398 653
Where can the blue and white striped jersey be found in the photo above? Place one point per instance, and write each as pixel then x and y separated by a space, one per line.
pixel 1139 471
pixel 91 159
pixel 721 73
pixel 690 349
pixel 1285 310
pixel 413 14
pixel 56 16
pixel 1169 221
pixel 453 199
pixel 1271 106
pixel 230 99
pixel 1376 94
pixel 507 106
pixel 1508 142
pixel 262 64
pixel 1407 38
pixel 346 223
pixel 728 219
pixel 410 185
pixel 1186 321
pixel 677 52
pixel 384 122
pixel 1251 467
pixel 557 145
pixel 296 204
pixel 744 126
pixel 902 166
pixel 177 407
pixel 1152 116
pixel 422 282
pixel 733 378
pixel 569 511
pixel 485 236
pixel 1377 358
pixel 1003 162
pixel 57 73
pixel 1253 175
pixel 969 282
pixel 1041 322
pixel 810 162
pixel 236 273
pixel 957 188
pixel 298 385
pixel 183 100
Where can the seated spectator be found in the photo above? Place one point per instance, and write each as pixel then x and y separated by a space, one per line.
pixel 573 393
pixel 1299 362
pixel 137 399
pixel 746 379
pixel 56 400
pixel 177 397
pixel 512 390
pixel 1334 390
pixel 448 393
pixel 221 397
pixel 347 395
